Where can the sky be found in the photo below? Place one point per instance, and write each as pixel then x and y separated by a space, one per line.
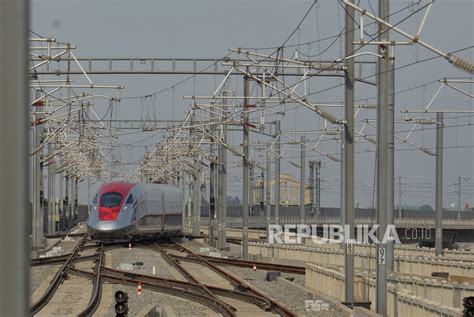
pixel 209 28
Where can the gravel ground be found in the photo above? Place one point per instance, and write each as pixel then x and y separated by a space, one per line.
pixel 125 257
pixel 293 298
pixel 182 307
pixel 136 303
pixel 40 274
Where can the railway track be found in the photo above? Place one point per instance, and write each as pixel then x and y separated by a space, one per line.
pixel 228 301
pixel 245 264
pixel 60 279
pixel 238 283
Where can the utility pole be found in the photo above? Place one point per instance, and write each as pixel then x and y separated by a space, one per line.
pixel 14 160
pixel 197 197
pixel 71 201
pixel 37 180
pixel 268 207
pixel 251 189
pixel 88 195
pixel 317 187
pixel 311 182
pixel 61 201
pixel 222 181
pixel 212 202
pixel 212 186
pixel 246 163
pixel 391 154
pixel 348 161
pixel 76 200
pixel 262 193
pixel 67 209
pixel 302 179
pixel 459 197
pixel 184 204
pixel 400 197
pixel 51 203
pixel 277 172
pixel 382 156
pixel 439 185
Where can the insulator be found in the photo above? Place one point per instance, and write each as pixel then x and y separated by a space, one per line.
pixel 461 63
pixel 332 157
pixel 328 116
pixel 427 151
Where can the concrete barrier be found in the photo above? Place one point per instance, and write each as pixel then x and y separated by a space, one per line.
pixel 400 302
pixel 362 259
pixel 406 250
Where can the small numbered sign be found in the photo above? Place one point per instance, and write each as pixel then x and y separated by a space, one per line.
pixel 382 256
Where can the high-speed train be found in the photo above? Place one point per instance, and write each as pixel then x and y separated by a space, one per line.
pixel 127 211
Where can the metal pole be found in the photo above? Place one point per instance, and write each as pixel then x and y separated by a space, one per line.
pixel 439 185
pixel 268 209
pixel 459 197
pixel 317 187
pixel 245 172
pixel 212 201
pixel 342 213
pixel 212 195
pixel 400 197
pixel 197 197
pixel 61 201
pixel 50 193
pixel 76 200
pixel 54 206
pixel 251 189
pixel 71 201
pixel 185 202
pixel 48 215
pixel 14 262
pixel 391 156
pixel 37 235
pixel 349 157
pixel 382 157
pixel 88 196
pixel 262 193
pixel 277 172
pixel 66 201
pixel 222 183
pixel 311 181
pixel 302 179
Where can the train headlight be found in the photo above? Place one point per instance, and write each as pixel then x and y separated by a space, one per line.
pixel 125 207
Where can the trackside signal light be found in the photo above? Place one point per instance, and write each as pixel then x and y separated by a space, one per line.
pixel 121 304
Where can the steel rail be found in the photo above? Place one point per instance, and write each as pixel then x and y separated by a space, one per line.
pixel 96 295
pixel 246 264
pixel 240 284
pixel 60 259
pixel 118 275
pixel 63 257
pixel 58 278
pixel 177 265
pixel 177 288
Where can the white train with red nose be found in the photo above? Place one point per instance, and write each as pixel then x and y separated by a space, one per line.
pixel 126 211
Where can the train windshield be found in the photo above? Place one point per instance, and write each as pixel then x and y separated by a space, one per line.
pixel 111 199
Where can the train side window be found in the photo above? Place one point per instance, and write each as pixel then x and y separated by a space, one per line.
pixel 130 200
pixel 94 200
